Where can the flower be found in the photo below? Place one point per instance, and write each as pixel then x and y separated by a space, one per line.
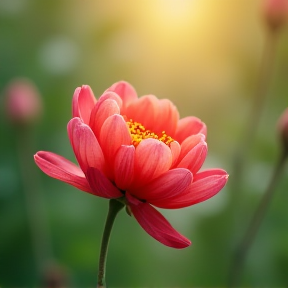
pixel 275 13
pixel 138 151
pixel 23 103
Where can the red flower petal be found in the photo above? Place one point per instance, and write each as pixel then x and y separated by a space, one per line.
pixel 189 126
pixel 124 166
pixel 169 184
pixel 62 169
pixel 195 158
pixel 83 103
pixel 101 185
pixel 144 110
pixel 126 92
pixel 154 223
pixel 114 133
pixel 175 152
pixel 167 117
pixel 101 111
pixel 85 145
pixel 205 185
pixel 152 158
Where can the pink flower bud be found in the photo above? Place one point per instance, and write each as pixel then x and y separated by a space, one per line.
pixel 23 102
pixel 283 129
pixel 275 13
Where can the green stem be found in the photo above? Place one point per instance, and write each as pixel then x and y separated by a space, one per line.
pixel 249 236
pixel 114 207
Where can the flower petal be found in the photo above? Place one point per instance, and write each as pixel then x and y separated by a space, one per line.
pixel 114 133
pixel 83 103
pixel 169 184
pixel 144 111
pixel 126 92
pixel 154 223
pixel 167 118
pixel 62 169
pixel 152 158
pixel 85 145
pixel 195 158
pixel 124 166
pixel 101 185
pixel 205 185
pixel 101 111
pixel 189 126
pixel 175 152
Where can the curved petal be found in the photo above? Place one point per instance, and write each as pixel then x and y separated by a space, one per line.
pixel 114 133
pixel 152 158
pixel 175 152
pixel 126 92
pixel 189 143
pixel 62 169
pixel 154 223
pixel 124 166
pixel 144 111
pixel 101 111
pixel 101 185
pixel 169 184
pixel 167 118
pixel 195 158
pixel 83 103
pixel 85 145
pixel 205 185
pixel 189 126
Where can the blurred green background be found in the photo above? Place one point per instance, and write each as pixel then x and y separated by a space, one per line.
pixel 204 55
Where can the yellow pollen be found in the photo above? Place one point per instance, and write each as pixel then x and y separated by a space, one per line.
pixel 139 133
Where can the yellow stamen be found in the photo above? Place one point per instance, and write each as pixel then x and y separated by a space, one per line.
pixel 139 133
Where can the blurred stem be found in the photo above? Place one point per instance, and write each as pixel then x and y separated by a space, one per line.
pixel 253 119
pixel 114 207
pixel 241 253
pixel 34 202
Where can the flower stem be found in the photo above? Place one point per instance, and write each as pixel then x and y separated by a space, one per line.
pixel 241 253
pixel 114 207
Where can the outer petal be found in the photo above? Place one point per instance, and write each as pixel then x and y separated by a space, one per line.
pixel 83 103
pixel 168 185
pixel 155 224
pixel 152 158
pixel 62 169
pixel 205 185
pixel 126 92
pixel 189 126
pixel 195 158
pixel 85 145
pixel 114 133
pixel 100 185
pixel 101 111
pixel 124 166
pixel 145 111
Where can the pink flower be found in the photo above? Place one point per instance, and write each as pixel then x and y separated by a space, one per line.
pixel 136 150
pixel 23 103
pixel 275 13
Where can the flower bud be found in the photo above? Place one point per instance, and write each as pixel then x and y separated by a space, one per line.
pixel 283 130
pixel 23 102
pixel 275 13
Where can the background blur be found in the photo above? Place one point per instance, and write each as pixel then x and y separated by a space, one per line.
pixel 204 55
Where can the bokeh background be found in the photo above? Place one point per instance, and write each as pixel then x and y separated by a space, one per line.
pixel 204 55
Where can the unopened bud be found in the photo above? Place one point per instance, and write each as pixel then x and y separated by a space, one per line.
pixel 23 102
pixel 283 129
pixel 275 13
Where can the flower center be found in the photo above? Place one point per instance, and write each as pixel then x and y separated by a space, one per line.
pixel 139 132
